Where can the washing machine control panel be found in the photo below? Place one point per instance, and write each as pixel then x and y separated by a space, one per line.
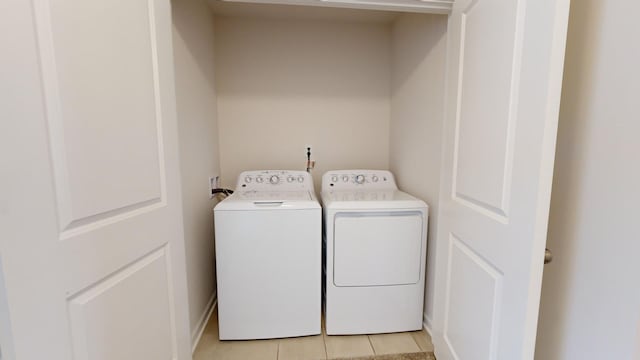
pixel 271 180
pixel 358 180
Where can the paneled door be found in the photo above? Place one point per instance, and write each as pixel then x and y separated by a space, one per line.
pixel 505 61
pixel 91 230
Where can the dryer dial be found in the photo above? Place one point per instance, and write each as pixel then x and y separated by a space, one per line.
pixel 274 179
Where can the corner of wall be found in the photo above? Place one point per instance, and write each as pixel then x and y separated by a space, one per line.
pixel 193 39
pixel 417 115
pixel 427 324
pixel 201 325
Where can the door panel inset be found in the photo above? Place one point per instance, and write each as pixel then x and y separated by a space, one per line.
pixel 470 327
pixel 104 135
pixel 119 317
pixel 485 120
pixel 376 249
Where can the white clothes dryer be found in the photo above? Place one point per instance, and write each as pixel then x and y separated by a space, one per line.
pixel 269 257
pixel 375 248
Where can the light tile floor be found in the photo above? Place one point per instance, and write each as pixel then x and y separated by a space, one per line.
pixel 309 347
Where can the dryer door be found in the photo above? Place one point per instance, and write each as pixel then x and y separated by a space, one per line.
pixel 378 248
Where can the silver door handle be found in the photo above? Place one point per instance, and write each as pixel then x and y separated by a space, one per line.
pixel 548 256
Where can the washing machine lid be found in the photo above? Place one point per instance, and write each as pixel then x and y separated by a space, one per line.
pixel 367 200
pixel 269 200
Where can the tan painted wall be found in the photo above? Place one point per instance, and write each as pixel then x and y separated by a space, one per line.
pixel 198 136
pixel 417 111
pixel 590 297
pixel 283 84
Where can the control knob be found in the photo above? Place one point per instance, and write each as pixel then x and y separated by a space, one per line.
pixel 334 178
pixel 359 179
pixel 274 179
pixel 247 179
pixel 300 178
pixel 345 178
pixel 290 178
pixel 374 178
pixel 259 179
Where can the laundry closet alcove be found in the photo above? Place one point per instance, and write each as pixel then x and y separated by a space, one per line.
pixel 461 105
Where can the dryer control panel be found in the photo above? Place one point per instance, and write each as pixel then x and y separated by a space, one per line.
pixel 358 180
pixel 274 180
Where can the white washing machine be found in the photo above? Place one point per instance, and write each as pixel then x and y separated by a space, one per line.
pixel 269 257
pixel 375 243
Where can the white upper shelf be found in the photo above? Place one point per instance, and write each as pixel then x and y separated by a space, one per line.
pixel 422 6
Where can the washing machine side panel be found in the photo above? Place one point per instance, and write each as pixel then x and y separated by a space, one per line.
pixel 269 273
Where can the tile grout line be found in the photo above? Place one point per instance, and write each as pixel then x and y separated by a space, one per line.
pixel 415 342
pixel 371 344
pixel 324 343
pixel 323 331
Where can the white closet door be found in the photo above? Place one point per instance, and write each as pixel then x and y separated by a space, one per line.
pixel 91 245
pixel 505 61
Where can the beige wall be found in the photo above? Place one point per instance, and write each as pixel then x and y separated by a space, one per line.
pixel 591 294
pixel 638 342
pixel 6 339
pixel 197 127
pixel 417 105
pixel 283 84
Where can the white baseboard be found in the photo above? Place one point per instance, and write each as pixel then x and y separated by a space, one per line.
pixel 202 323
pixel 426 323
